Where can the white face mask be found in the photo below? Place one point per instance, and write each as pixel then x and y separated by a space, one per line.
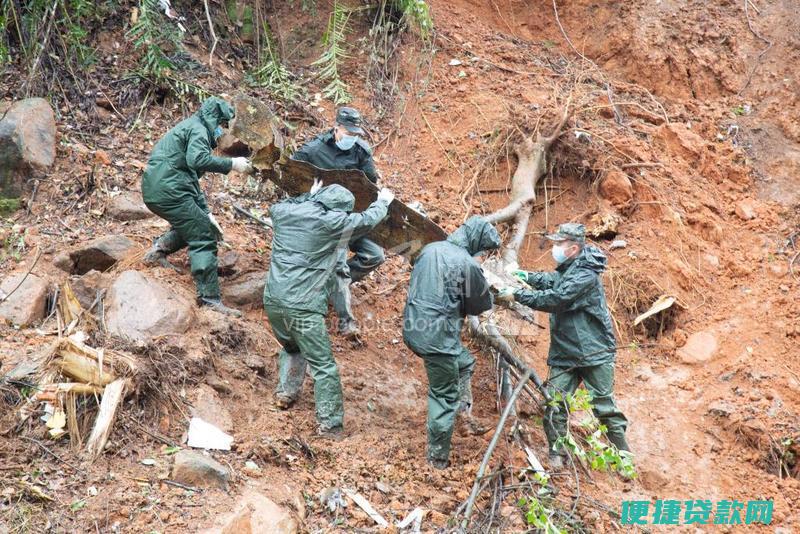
pixel 559 254
pixel 347 142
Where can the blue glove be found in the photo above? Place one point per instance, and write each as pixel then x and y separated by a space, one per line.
pixel 522 276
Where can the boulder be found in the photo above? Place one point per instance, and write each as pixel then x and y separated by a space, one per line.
pixel 140 308
pixel 207 405
pixel 99 254
pixel 27 143
pixel 699 348
pixel 128 206
pixel 226 263
pixel 616 187
pixel 745 210
pixel 255 513
pixel 247 292
pixel 85 287
pixel 28 303
pixel 196 469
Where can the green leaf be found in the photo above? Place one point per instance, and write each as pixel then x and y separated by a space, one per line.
pixel 77 505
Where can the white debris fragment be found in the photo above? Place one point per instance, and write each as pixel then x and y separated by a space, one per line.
pixel 203 435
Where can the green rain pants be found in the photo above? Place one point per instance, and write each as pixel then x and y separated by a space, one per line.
pixel 449 392
pixel 305 340
pixel 191 227
pixel 599 381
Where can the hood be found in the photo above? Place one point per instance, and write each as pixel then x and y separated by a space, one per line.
pixel 476 235
pixel 592 258
pixel 335 198
pixel 213 113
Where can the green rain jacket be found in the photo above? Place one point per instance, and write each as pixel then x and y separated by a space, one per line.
pixel 184 154
pixel 447 284
pixel 308 230
pixel 581 334
pixel 322 152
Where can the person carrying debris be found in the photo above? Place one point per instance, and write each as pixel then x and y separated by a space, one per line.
pixel 582 343
pixel 338 149
pixel 171 190
pixel 309 233
pixel 447 284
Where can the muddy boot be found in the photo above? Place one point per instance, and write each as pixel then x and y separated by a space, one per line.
pixel 218 306
pixel 438 463
pixel 156 256
pixel 618 440
pixel 284 402
pixel 335 433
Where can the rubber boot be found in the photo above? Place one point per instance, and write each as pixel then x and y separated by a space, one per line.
pixel 618 440
pixel 156 256
pixel 218 306
pixel 438 463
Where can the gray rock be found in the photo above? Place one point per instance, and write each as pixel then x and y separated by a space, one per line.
pixel 27 304
pixel 196 469
pixel 207 405
pixel 247 292
pixel 27 143
pixel 99 254
pixel 140 308
pixel 226 263
pixel 128 206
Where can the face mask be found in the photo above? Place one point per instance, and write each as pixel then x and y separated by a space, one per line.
pixel 218 132
pixel 347 142
pixel 559 255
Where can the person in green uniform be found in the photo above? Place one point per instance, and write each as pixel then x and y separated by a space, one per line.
pixel 447 284
pixel 171 190
pixel 582 343
pixel 343 148
pixel 309 231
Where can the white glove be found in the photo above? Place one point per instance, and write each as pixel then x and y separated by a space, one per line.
pixel 215 224
pixel 384 195
pixel 316 186
pixel 242 165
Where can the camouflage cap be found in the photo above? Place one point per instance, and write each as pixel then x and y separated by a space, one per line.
pixel 569 232
pixel 350 119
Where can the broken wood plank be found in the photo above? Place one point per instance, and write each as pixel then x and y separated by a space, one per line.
pixel 404 231
pixel 257 127
pixel 367 507
pixel 112 397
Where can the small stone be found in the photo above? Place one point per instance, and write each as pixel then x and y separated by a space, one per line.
pixel 226 263
pixel 699 348
pixel 745 210
pixel 618 243
pixel 28 303
pixel 207 406
pixel 99 254
pixel 196 469
pixel 247 291
pixel 128 206
pixel 617 188
pixel 85 287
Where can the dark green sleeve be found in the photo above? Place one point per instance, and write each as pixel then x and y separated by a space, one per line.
pixel 541 279
pixel 476 298
pixel 357 224
pixel 558 299
pixel 199 156
pixel 368 167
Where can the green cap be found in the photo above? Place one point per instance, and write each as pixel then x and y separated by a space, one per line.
pixel 569 232
pixel 350 119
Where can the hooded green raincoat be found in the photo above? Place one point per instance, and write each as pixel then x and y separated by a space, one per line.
pixel 309 232
pixel 447 284
pixel 581 333
pixel 171 189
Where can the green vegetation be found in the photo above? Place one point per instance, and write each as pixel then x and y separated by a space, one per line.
pixel 271 73
pixel 331 59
